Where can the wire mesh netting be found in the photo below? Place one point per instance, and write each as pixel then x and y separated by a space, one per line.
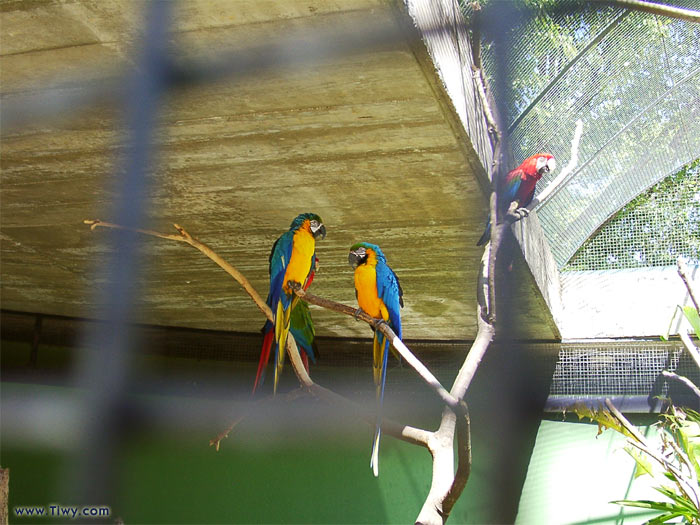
pixel 632 78
pixel 653 230
pixel 620 369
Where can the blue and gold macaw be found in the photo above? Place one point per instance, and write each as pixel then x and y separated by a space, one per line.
pixel 380 296
pixel 301 327
pixel 293 259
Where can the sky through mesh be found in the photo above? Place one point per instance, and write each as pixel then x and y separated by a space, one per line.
pixel 653 230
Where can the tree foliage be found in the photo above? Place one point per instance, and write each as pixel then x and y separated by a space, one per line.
pixel 654 229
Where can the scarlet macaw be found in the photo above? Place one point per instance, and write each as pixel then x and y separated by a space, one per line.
pixel 302 329
pixel 379 294
pixel 519 185
pixel 291 259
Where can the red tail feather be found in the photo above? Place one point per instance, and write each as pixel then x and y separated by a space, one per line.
pixel 310 277
pixel 264 356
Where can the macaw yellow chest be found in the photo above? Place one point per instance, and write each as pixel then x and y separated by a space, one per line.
pixel 299 264
pixel 367 296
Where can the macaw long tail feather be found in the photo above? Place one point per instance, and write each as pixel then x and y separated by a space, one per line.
pixel 264 358
pixel 374 460
pixel 486 236
pixel 305 360
pixel 282 322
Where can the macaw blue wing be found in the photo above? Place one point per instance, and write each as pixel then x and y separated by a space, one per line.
pixel 509 188
pixel 279 259
pixel 390 292
pixel 278 301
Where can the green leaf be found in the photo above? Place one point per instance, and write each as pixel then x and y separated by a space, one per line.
pixel 681 501
pixel 691 314
pixel 663 518
pixel 665 336
pixel 601 415
pixel 643 464
pixel 661 506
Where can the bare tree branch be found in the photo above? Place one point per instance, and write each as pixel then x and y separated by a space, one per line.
pixel 687 382
pixel 183 236
pixel 688 15
pixel 683 272
pixel 560 179
pixel 692 349
pixel 383 327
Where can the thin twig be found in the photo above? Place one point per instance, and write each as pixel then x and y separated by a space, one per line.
pixel 683 272
pixel 289 396
pixel 654 8
pixel 681 379
pixel 560 179
pixel 183 236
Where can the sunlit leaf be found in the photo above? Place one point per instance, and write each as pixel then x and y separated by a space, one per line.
pixel 663 518
pixel 602 416
pixel 643 464
pixel 691 314
pixel 681 502
pixel 661 506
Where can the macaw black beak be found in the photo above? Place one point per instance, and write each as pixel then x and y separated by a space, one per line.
pixel 354 259
pixel 320 232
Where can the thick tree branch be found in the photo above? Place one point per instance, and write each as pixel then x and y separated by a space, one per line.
pixel 383 327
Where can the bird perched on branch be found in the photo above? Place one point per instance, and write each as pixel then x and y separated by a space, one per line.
pixel 519 186
pixel 301 327
pixel 293 259
pixel 380 296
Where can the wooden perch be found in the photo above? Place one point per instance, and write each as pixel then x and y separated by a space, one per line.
pixel 401 348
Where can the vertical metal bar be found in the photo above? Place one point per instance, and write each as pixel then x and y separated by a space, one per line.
pixel 103 370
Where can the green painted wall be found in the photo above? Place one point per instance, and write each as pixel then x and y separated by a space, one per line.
pixel 573 475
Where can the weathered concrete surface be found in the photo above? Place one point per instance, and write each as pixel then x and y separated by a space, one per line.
pixel 540 270
pixel 367 142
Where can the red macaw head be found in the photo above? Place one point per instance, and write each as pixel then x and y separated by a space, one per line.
pixel 539 164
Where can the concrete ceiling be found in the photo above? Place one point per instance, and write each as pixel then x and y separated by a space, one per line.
pixel 367 141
